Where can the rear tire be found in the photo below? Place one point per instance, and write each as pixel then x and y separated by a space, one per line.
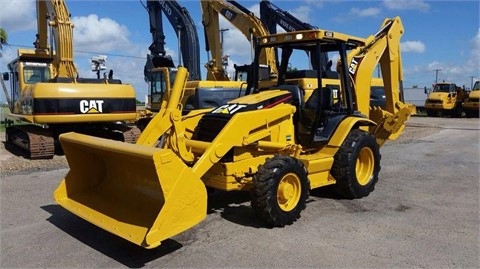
pixel 471 113
pixel 431 113
pixel 280 190
pixel 356 165
pixel 456 112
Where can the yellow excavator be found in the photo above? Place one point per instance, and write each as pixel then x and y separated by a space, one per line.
pixel 47 93
pixel 276 142
pixel 246 22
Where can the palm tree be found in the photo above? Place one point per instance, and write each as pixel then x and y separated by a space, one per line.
pixel 3 38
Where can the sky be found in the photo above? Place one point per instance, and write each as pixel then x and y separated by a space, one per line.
pixel 439 35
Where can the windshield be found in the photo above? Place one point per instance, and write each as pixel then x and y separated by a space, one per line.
pixel 158 85
pixel 476 87
pixel 36 73
pixel 442 88
pixel 377 92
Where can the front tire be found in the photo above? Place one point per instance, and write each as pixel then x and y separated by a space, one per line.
pixel 280 190
pixel 356 165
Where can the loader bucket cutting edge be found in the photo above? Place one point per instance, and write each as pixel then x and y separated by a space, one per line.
pixel 142 194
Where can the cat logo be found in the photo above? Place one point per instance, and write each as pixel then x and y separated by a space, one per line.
pixel 91 106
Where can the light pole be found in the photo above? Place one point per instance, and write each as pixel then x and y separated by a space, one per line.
pixel 221 40
pixel 436 75
pixel 224 57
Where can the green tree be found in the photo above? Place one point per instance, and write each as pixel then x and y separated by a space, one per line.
pixel 3 38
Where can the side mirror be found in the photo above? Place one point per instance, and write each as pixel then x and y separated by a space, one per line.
pixel 425 90
pixel 5 76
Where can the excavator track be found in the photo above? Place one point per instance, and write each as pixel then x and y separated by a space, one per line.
pixel 126 134
pixel 35 140
pixel 39 143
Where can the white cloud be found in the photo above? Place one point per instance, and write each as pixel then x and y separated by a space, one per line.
pixel 475 48
pixel 103 34
pixel 302 13
pixel 18 15
pixel 412 46
pixel 355 13
pixel 316 3
pixel 459 73
pixel 406 5
pixel 366 12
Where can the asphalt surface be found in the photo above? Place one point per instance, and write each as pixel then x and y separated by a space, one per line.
pixel 424 213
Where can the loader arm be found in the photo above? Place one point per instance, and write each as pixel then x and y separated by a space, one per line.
pixel 244 20
pixel 381 48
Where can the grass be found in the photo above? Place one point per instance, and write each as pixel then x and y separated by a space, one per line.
pixel 4 112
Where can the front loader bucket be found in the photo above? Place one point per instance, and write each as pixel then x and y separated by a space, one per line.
pixel 142 194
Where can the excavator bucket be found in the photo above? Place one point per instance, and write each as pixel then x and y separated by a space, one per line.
pixel 140 193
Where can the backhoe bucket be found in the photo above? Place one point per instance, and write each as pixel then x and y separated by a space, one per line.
pixel 142 194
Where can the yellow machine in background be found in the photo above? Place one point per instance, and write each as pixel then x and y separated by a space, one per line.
pixel 276 142
pixel 471 104
pixel 47 92
pixel 246 22
pixel 446 99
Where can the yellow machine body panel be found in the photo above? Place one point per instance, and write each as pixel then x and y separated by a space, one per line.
pixel 471 104
pixel 473 100
pixel 48 103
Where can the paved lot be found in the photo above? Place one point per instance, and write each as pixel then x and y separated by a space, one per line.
pixel 424 213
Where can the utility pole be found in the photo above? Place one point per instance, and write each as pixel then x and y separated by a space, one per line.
pixel 224 57
pixel 436 75
pixel 221 40
pixel 471 83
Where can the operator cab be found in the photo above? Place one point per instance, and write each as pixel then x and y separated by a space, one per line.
pixel 158 84
pixel 319 110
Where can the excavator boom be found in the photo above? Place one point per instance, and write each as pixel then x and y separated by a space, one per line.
pixel 244 20
pixel 185 30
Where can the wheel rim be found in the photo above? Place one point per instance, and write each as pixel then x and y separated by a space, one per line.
pixel 289 192
pixel 364 166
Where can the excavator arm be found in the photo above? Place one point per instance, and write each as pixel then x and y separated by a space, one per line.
pixel 244 20
pixel 362 62
pixel 56 15
pixel 185 30
pixel 271 16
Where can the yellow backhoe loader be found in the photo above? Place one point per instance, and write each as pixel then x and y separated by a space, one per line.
pixel 47 93
pixel 276 142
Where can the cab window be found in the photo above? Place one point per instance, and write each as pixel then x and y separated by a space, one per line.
pixel 35 74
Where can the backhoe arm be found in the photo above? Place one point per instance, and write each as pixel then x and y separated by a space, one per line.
pixel 382 48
